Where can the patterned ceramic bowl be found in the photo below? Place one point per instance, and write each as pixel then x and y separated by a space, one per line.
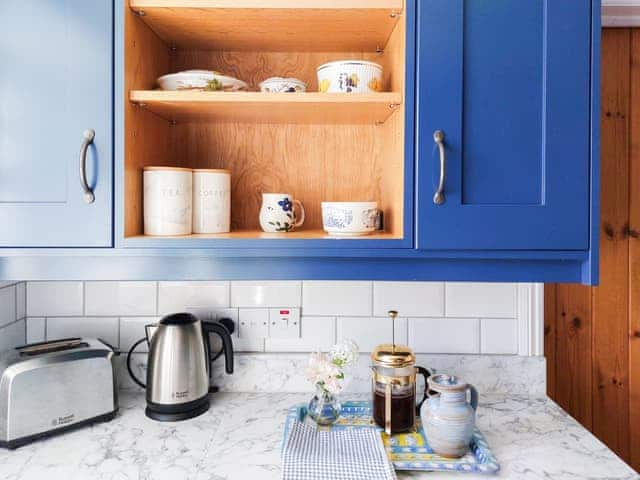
pixel 207 80
pixel 282 85
pixel 350 218
pixel 350 76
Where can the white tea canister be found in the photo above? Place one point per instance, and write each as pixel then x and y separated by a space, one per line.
pixel 167 200
pixel 211 201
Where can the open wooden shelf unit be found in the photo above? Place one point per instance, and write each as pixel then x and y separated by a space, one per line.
pixel 316 147
pixel 257 107
pixel 278 25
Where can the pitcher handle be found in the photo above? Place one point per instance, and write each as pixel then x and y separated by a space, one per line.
pixel 298 204
pixel 474 397
pixel 426 373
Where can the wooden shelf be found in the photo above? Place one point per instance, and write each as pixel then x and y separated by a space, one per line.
pixel 257 107
pixel 274 25
pixel 259 234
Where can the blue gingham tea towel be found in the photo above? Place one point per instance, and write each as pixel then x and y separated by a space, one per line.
pixel 350 454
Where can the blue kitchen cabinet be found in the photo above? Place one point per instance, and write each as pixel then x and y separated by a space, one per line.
pixel 55 83
pixel 508 84
pixel 511 86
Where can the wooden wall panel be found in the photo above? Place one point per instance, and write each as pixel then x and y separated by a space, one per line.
pixel 595 332
pixel 611 297
pixel 573 383
pixel 634 255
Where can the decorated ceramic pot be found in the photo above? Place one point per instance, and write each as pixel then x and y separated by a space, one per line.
pixel 350 76
pixel 448 418
pixel 277 214
pixel 350 218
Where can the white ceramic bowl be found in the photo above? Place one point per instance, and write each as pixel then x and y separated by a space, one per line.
pixel 201 80
pixel 282 85
pixel 349 218
pixel 350 76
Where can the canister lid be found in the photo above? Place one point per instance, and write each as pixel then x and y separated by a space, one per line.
pixel 394 356
pixel 212 170
pixel 158 168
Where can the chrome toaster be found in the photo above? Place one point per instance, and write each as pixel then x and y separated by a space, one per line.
pixel 51 387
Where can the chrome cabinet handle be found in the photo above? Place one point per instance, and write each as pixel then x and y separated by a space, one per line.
pixel 88 136
pixel 438 137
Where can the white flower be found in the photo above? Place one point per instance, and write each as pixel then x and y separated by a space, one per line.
pixel 344 353
pixel 320 368
pixel 327 371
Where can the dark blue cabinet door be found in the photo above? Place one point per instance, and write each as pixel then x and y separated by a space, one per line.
pixel 55 82
pixel 507 81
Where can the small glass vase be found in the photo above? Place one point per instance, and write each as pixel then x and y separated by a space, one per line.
pixel 324 408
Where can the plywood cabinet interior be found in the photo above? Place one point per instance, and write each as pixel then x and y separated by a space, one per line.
pixel 317 148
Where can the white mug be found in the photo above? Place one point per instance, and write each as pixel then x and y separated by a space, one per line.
pixel 277 213
pixel 211 201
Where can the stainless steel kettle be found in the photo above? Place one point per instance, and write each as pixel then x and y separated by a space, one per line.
pixel 178 368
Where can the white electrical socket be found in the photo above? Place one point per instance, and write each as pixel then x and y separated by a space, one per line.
pixel 284 322
pixel 253 328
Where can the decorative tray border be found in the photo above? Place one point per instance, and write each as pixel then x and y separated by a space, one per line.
pixel 407 451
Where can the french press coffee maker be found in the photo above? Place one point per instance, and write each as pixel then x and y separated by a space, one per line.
pixel 394 385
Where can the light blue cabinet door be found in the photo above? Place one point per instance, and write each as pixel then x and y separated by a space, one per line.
pixel 55 82
pixel 508 83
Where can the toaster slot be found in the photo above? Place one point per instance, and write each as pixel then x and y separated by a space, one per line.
pixel 51 346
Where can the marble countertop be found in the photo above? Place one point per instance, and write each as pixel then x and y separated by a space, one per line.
pixel 240 437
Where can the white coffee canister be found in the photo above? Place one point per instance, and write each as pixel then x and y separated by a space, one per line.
pixel 167 200
pixel 211 201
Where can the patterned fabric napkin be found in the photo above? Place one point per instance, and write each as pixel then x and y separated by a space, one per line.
pixel 351 454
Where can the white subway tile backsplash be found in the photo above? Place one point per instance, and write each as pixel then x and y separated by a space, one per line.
pixel 494 300
pixel 368 332
pixel 498 336
pixel 444 335
pixel 443 318
pixel 266 294
pixel 316 333
pixel 54 299
pixel 179 296
pixel 21 300
pixel 410 299
pixel 12 335
pixel 337 298
pixel 132 330
pixel 7 305
pixel 36 330
pixel 120 298
pixel 105 328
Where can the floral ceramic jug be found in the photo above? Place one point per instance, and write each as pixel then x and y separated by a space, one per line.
pixel 277 213
pixel 448 418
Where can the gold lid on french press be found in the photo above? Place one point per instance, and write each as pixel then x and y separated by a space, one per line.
pixel 392 355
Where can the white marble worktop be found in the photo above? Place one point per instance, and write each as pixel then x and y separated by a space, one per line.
pixel 240 437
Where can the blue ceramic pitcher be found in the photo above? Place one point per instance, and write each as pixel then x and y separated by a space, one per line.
pixel 448 417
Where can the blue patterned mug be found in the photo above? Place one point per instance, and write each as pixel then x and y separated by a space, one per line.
pixel 277 214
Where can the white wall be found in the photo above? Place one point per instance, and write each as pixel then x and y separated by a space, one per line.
pixel 435 317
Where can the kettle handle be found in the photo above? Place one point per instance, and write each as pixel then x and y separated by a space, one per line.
pixel 133 376
pixel 426 373
pixel 227 344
